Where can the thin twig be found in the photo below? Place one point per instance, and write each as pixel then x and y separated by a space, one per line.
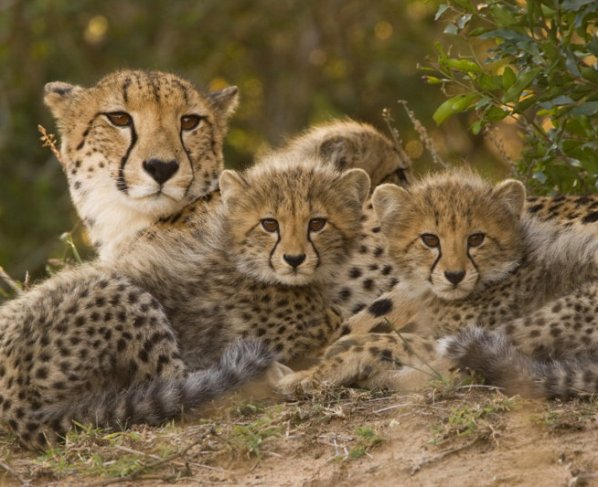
pixel 423 135
pixel 49 140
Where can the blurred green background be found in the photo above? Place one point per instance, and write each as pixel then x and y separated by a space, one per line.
pixel 296 63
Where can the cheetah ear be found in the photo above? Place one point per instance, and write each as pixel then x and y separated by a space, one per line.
pixel 338 150
pixel 388 200
pixel 57 96
pixel 231 185
pixel 225 101
pixel 357 182
pixel 512 192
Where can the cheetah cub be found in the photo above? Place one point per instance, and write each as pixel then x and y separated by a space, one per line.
pixel 158 331
pixel 350 144
pixel 136 147
pixel 467 254
pixel 260 264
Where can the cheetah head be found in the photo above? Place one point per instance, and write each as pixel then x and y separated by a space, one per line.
pixel 138 146
pixel 349 144
pixel 452 232
pixel 292 223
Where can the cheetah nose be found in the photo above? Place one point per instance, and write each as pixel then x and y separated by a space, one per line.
pixel 454 277
pixel 294 260
pixel 161 171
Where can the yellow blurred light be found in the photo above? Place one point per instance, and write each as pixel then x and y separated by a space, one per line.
pixel 218 84
pixel 383 30
pixel 96 29
pixel 414 148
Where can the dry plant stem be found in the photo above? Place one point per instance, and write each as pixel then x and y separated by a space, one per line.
pixel 396 137
pixel 12 472
pixel 49 140
pixel 10 281
pixel 149 466
pixel 498 142
pixel 423 135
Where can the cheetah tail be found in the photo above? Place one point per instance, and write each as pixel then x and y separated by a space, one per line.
pixel 161 399
pixel 504 365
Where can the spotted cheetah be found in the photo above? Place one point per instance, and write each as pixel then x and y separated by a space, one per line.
pixel 157 329
pixel 350 144
pixel 136 147
pixel 468 254
pixel 88 345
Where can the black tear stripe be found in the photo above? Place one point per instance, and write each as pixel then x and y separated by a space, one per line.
pixel 86 132
pixel 313 246
pixel 435 263
pixel 274 250
pixel 121 184
pixel 188 154
pixel 125 89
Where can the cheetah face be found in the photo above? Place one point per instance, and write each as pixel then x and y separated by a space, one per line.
pixel 292 224
pixel 140 144
pixel 452 233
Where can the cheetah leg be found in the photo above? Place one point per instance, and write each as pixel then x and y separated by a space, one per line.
pixel 400 309
pixel 376 360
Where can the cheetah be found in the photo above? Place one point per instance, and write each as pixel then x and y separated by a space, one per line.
pixel 114 133
pixel 350 144
pixel 468 254
pixel 136 147
pixel 157 330
pixel 87 345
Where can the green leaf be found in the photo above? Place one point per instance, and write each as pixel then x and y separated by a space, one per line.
pixel 476 127
pixel 465 4
pixel 489 82
pixel 588 108
pixel 456 104
pixel 443 7
pixel 463 21
pixel 508 78
pixel 557 101
pixel 495 114
pixel 464 65
pixel 451 29
pixel 524 80
pixel 433 80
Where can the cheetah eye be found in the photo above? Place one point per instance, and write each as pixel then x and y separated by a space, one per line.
pixel 430 240
pixel 120 119
pixel 189 122
pixel 270 225
pixel 317 224
pixel 475 239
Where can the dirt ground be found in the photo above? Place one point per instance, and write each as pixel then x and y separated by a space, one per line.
pixel 455 435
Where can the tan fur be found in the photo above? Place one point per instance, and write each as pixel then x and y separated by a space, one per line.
pixel 349 144
pixel 115 195
pixel 534 281
pixel 175 301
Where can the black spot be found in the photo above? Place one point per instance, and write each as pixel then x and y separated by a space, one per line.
pixel 355 273
pixel 381 327
pixel 591 217
pixel 380 307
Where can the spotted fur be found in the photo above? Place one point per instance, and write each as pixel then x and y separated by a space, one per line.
pixel 534 285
